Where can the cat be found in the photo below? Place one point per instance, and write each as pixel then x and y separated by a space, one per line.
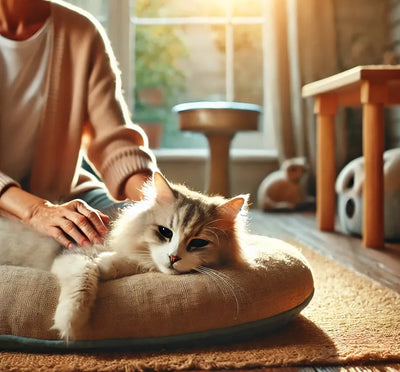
pixel 283 189
pixel 173 230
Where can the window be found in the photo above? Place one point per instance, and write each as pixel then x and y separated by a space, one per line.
pixel 175 51
pixel 98 8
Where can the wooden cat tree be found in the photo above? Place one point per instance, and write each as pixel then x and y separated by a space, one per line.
pixel 219 121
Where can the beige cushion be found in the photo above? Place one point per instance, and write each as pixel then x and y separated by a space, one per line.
pixel 157 305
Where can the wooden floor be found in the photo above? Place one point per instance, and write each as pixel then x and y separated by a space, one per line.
pixel 381 265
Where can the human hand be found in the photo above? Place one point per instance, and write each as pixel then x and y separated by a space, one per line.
pixel 69 223
pixel 134 185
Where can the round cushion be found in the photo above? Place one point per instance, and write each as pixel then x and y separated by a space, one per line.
pixel 159 310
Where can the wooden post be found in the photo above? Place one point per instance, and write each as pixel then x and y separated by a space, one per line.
pixel 373 97
pixel 218 178
pixel 325 108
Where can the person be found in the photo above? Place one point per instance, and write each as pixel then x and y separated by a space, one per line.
pixel 60 94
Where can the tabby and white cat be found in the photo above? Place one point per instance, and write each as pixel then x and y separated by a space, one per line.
pixel 173 230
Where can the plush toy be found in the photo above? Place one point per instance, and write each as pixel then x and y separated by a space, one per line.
pixel 284 188
pixel 349 187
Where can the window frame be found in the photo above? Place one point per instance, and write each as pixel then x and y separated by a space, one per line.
pixel 121 25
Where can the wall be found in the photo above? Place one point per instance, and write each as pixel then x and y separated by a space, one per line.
pixel 368 32
pixel 362 32
pixel 363 37
pixel 393 115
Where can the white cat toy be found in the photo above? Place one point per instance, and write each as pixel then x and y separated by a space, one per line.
pixel 284 188
pixel 173 230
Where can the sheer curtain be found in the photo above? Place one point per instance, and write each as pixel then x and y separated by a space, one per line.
pixel 303 49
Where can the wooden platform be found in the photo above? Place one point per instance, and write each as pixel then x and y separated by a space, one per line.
pixel 381 265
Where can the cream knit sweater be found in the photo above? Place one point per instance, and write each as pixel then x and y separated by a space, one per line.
pixel 84 109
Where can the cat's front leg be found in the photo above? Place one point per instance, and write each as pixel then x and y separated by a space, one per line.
pixel 113 265
pixel 78 278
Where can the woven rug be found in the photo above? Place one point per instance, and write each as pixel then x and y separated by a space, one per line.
pixel 351 319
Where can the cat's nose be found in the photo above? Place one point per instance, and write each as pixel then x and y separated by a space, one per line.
pixel 173 259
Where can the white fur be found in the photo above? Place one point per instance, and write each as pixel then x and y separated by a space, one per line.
pixel 284 188
pixel 133 245
pixel 78 278
pixel 22 246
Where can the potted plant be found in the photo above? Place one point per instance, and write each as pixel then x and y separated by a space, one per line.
pixel 158 79
pixel 151 120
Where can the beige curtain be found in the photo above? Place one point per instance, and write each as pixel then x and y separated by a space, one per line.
pixel 303 42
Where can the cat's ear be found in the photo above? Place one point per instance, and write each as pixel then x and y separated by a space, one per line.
pixel 163 190
pixel 232 207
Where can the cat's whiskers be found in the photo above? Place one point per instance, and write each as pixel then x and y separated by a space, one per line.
pixel 140 254
pixel 210 227
pixel 143 253
pixel 213 227
pixel 213 223
pixel 211 231
pixel 145 259
pixel 225 284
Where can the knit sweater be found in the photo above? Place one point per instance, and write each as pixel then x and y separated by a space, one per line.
pixel 84 110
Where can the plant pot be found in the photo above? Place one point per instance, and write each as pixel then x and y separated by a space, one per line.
pixel 153 132
pixel 151 96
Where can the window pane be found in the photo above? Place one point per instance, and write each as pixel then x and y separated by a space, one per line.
pixel 187 64
pixel 204 63
pixel 248 75
pixel 248 64
pixel 246 8
pixel 179 8
pixel 98 8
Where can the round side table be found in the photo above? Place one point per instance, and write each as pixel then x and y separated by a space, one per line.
pixel 219 121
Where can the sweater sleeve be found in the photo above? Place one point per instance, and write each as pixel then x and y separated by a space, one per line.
pixel 117 148
pixel 6 182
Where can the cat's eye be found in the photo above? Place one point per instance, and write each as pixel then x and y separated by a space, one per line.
pixel 196 243
pixel 165 232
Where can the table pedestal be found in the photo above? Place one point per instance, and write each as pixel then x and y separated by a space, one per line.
pixel 218 121
pixel 218 165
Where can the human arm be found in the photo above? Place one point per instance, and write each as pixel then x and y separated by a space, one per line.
pixel 87 111
pixel 72 222
pixel 115 147
pixel 134 186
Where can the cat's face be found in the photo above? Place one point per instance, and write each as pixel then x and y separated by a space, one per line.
pixel 178 231
pixel 186 235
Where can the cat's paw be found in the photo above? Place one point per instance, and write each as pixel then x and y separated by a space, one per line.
pixel 67 320
pixel 113 265
pixel 78 279
pixel 73 313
